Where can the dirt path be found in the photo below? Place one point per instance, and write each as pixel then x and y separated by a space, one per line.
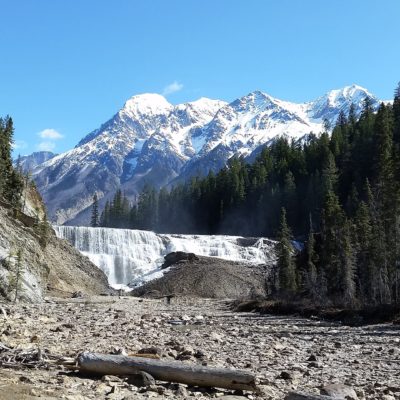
pixel 285 353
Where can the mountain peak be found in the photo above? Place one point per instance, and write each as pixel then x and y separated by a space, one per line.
pixel 203 104
pixel 205 101
pixel 147 103
pixel 327 105
pixel 253 102
pixel 353 93
pixel 259 95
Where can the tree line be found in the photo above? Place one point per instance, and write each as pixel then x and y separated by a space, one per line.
pixel 338 193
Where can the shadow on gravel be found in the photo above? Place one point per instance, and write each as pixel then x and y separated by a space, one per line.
pixel 350 317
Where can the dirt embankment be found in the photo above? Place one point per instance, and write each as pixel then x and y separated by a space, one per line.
pixel 209 277
pixel 351 317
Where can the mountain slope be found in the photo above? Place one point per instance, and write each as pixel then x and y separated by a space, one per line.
pixel 152 141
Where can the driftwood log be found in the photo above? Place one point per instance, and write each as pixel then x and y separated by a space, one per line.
pixel 170 371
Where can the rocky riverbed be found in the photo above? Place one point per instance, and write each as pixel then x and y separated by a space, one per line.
pixel 285 353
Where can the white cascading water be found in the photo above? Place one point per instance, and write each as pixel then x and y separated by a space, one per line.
pixel 128 256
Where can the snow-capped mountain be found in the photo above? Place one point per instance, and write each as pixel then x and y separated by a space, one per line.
pixel 152 141
pixel 241 127
pixel 30 162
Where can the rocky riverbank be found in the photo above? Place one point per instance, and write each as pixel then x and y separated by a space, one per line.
pixel 285 353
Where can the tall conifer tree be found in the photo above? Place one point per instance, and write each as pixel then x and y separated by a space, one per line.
pixel 94 221
pixel 286 265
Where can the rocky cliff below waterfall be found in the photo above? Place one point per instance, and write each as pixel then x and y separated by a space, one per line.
pixel 53 268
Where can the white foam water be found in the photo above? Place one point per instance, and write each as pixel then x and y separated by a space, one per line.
pixel 127 255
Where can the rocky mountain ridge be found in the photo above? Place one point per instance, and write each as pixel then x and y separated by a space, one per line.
pixel 152 141
pixel 30 162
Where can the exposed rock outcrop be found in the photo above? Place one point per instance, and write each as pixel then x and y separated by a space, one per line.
pixel 32 267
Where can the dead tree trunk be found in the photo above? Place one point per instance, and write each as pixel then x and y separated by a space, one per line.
pixel 170 371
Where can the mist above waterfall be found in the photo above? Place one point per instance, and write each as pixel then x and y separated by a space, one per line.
pixel 129 255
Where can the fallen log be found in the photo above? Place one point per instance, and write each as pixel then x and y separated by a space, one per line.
pixel 170 371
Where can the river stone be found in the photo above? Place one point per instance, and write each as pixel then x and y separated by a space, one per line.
pixel 142 379
pixel 339 391
pixel 150 350
pixel 306 396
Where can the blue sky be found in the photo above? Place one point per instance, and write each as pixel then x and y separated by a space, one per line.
pixel 69 65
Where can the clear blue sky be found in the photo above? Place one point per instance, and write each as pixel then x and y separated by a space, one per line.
pixel 69 65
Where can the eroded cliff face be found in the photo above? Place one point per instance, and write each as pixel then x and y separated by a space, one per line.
pixel 32 268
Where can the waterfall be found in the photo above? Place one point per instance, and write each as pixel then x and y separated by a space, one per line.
pixel 127 255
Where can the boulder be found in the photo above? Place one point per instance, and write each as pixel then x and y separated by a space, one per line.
pixel 177 256
pixel 142 379
pixel 305 396
pixel 339 391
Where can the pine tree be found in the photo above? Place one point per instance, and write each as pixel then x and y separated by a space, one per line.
pixel 383 140
pixel 396 117
pixel 347 274
pixel 333 221
pixel 329 175
pixel 43 230
pixel 286 267
pixel 14 188
pixel 387 195
pixel 15 274
pixel 116 213
pixel 289 197
pixel 352 120
pixel 11 183
pixel 366 271
pixel 312 260
pixel 94 220
pixel 381 283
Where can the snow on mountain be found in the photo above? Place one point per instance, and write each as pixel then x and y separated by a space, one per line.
pixel 30 162
pixel 327 106
pixel 246 124
pixel 152 141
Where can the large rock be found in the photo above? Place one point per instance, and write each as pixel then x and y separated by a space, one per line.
pixel 177 256
pixel 339 391
pixel 305 396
